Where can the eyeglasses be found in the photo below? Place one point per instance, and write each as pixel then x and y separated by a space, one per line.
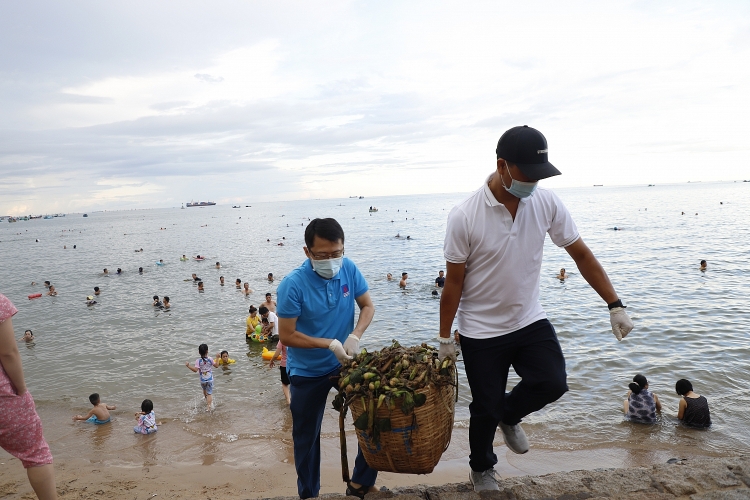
pixel 326 256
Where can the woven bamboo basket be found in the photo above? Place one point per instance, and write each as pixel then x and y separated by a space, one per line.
pixel 415 442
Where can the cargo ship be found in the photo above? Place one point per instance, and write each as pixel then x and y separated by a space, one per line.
pixel 200 204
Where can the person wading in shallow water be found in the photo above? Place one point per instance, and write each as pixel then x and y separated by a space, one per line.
pixel 493 251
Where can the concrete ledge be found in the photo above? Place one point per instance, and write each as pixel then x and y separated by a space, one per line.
pixel 701 479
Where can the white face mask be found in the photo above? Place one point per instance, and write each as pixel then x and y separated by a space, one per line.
pixel 519 189
pixel 327 268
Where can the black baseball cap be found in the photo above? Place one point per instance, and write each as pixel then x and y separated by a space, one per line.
pixel 526 147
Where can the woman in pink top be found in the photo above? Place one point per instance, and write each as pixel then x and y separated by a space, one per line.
pixel 20 426
pixel 281 348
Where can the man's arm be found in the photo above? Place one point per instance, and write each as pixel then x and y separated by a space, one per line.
pixel 591 270
pixel 366 313
pixel 454 286
pixel 290 337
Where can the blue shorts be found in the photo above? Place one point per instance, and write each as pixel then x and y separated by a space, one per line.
pixel 96 421
pixel 208 387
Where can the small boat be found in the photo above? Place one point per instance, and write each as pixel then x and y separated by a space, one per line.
pixel 47 216
pixel 12 219
pixel 85 215
pixel 201 204
pixel 236 206
pixel 373 209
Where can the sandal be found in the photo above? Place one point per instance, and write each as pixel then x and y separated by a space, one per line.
pixel 360 492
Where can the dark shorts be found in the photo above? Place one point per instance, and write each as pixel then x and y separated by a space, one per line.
pixel 284 376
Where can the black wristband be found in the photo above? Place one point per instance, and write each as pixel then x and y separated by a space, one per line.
pixel 616 303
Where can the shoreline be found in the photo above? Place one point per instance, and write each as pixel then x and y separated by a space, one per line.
pixel 264 468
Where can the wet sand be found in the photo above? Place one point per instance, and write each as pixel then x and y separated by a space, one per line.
pixel 263 468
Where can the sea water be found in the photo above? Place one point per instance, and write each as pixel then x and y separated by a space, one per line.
pixel 688 324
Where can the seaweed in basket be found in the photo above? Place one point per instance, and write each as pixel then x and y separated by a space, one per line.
pixel 390 377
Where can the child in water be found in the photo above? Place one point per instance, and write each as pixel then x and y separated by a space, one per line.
pixel 693 408
pixel 266 329
pixel 204 368
pixel 146 418
pixel 28 336
pixel 99 414
pixel 222 359
pixel 281 349
pixel 641 405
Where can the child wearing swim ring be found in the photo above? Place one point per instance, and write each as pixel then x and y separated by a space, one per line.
pixel 693 408
pixel 204 368
pixel 99 414
pixel 146 418
pixel 642 404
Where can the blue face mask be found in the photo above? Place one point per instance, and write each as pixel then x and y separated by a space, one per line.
pixel 327 268
pixel 519 189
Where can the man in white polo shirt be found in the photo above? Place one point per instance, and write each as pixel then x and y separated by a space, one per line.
pixel 493 251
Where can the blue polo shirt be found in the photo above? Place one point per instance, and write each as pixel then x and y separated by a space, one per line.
pixel 323 308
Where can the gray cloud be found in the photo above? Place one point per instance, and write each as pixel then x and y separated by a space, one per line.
pixel 205 77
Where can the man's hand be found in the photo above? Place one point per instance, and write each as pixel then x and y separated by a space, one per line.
pixel 447 348
pixel 351 346
pixel 338 350
pixel 621 322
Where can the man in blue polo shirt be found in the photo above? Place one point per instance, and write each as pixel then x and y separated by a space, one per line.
pixel 316 323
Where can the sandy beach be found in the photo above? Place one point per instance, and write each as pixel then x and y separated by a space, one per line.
pixel 264 468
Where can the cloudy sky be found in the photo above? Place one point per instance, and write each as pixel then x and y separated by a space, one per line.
pixel 149 104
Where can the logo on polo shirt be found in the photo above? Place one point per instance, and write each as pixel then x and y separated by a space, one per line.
pixel 540 151
pixel 345 290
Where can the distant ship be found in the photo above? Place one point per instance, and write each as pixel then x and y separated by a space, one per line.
pixel 200 204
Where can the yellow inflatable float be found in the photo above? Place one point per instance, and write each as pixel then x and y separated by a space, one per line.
pixel 267 354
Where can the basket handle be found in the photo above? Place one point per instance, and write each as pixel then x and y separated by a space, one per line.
pixel 342 439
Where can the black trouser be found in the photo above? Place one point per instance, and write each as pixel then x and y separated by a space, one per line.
pixel 535 355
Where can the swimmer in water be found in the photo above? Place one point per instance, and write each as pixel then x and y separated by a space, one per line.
pixel 195 277
pixel 218 265
pixel 221 280
pixel 161 262
pixel 562 276
pixel 106 273
pixel 96 290
pixel 456 336
pixel 200 286
pixel 222 359
pixel 270 277
pixel 140 270
pixel 47 284
pixel 52 292
pixel 389 277
pixel 90 300
pixel 269 303
pixel 119 271
pixel 247 290
pixel 167 305
pixel 402 283
pixel 183 258
pixel 28 336
pixel 157 302
pixel 704 265
pixel 238 283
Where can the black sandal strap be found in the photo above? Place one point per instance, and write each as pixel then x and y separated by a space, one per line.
pixel 360 492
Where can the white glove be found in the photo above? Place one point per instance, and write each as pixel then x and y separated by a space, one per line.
pixel 338 349
pixel 447 348
pixel 621 322
pixel 351 346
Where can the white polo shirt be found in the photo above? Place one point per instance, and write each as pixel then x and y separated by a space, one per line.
pixel 503 258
